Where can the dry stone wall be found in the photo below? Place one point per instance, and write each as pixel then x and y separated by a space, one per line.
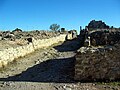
pixel 9 54
pixel 98 64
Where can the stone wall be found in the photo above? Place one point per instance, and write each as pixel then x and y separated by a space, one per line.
pixel 98 64
pixel 105 37
pixel 9 54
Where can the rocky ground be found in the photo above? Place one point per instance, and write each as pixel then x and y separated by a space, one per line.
pixel 47 69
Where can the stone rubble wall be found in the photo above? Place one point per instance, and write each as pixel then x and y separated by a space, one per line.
pixel 9 54
pixel 98 64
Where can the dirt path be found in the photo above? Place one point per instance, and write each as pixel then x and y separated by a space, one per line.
pixel 46 69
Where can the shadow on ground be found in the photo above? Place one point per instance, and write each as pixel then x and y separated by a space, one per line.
pixel 57 70
pixel 70 45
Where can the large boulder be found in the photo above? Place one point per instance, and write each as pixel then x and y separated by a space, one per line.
pixel 97 25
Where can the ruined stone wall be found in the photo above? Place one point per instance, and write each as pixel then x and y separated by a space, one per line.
pixel 98 64
pixel 9 54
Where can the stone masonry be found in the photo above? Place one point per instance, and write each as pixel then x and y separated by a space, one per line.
pixel 98 64
pixel 9 54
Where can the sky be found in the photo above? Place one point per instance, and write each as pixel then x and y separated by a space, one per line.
pixel 69 14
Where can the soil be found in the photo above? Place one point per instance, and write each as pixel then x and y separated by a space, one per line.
pixel 47 69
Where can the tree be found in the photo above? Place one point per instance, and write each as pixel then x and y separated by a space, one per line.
pixel 54 27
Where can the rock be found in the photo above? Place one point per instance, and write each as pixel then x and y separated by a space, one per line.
pixel 1 38
pixel 104 38
pixel 83 49
pixel 97 64
pixel 37 62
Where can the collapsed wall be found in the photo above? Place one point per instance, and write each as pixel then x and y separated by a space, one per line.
pixel 9 54
pixel 105 37
pixel 98 64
